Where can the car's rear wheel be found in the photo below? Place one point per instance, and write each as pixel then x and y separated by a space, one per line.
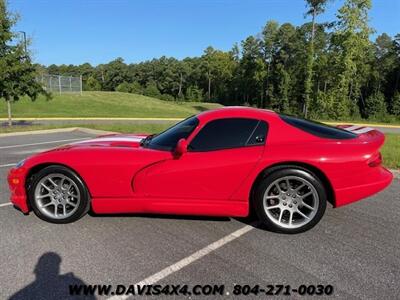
pixel 58 195
pixel 290 200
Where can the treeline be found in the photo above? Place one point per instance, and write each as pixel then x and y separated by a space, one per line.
pixel 320 70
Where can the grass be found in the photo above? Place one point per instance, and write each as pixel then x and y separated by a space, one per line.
pixel 390 121
pixel 114 104
pixel 103 104
pixel 390 150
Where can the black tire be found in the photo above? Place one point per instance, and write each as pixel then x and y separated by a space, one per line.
pixel 289 172
pixel 84 203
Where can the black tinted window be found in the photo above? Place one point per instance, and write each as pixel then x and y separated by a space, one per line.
pixel 168 139
pixel 259 134
pixel 318 129
pixel 223 134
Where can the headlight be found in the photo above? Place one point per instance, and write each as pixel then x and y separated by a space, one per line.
pixel 20 164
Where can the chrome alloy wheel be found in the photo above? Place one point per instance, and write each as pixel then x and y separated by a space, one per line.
pixel 291 202
pixel 57 196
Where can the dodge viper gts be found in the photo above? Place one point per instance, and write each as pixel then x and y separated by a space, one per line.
pixel 223 162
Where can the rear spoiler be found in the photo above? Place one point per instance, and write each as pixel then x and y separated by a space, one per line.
pixel 366 135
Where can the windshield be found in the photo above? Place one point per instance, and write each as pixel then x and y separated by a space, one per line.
pixel 168 139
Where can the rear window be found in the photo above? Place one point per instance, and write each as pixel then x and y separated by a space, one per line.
pixel 318 129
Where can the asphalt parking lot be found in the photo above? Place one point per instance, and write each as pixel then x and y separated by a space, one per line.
pixel 354 248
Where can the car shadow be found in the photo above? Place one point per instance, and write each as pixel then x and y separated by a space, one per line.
pixel 160 216
pixel 249 220
pixel 49 283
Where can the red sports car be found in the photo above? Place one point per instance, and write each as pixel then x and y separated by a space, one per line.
pixel 224 162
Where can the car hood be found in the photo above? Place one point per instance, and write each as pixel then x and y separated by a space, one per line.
pixel 112 140
pixel 126 147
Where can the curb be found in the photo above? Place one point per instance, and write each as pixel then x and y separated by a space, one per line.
pixel 56 130
pixel 396 173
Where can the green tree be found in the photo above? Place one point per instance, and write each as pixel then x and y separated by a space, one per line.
pixel 217 68
pixel 251 70
pixel 321 70
pixel 396 70
pixel 182 69
pixel 382 62
pixel 316 7
pixel 86 70
pixel 376 106
pixel 283 89
pixel 92 84
pixel 351 46
pixel 208 65
pixel 270 36
pixel 152 90
pixel 386 67
pixel 113 74
pixel 395 107
pixel 193 93
pixel 124 87
pixel 136 88
pixel 17 73
pixel 284 69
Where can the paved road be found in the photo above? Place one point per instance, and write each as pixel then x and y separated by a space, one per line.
pixel 354 248
pixel 133 122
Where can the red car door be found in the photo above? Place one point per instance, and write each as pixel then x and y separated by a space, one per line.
pixel 219 159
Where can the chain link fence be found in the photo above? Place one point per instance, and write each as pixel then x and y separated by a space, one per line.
pixel 61 84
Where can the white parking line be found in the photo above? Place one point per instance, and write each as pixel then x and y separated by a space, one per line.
pixel 41 143
pixel 5 204
pixel 190 259
pixel 7 165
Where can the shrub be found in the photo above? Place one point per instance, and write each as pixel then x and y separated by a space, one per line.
pixel 167 97
pixel 152 90
pixel 375 106
pixel 395 109
pixel 92 84
pixel 193 93
pixel 124 87
pixel 136 88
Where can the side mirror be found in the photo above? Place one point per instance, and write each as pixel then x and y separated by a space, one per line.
pixel 181 147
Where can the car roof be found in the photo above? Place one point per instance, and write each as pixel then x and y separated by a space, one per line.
pixel 236 112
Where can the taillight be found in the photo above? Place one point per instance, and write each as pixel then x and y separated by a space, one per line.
pixel 375 160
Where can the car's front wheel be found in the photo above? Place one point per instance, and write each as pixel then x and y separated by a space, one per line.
pixel 290 200
pixel 58 195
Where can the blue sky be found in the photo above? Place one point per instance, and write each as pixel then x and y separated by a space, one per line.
pixel 98 31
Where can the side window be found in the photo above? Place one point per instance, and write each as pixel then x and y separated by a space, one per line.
pixel 259 134
pixel 229 133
